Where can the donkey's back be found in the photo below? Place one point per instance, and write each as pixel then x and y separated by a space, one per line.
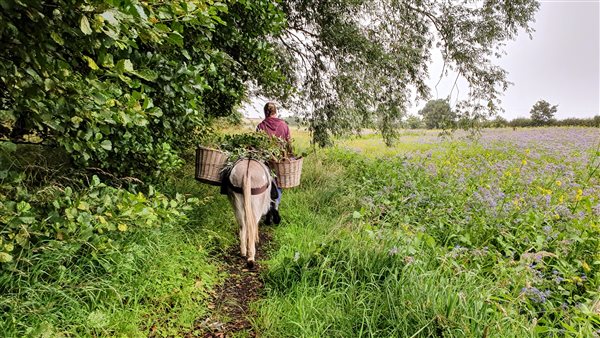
pixel 249 193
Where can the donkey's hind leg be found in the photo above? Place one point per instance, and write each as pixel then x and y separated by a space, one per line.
pixel 251 238
pixel 243 248
pixel 260 206
pixel 240 217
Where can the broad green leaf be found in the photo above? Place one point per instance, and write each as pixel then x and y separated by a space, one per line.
pixel 106 144
pixel 57 38
pixel 140 11
pixel 5 257
pixel 176 39
pixel 128 66
pixel 91 63
pixel 125 65
pixel 8 146
pixel 84 25
pixel 146 74
pixel 48 84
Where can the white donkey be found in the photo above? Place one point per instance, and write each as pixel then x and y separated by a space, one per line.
pixel 249 194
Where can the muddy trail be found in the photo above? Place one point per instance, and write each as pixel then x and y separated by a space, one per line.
pixel 230 305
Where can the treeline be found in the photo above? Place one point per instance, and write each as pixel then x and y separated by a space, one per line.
pixel 415 122
pixel 437 114
pixel 500 122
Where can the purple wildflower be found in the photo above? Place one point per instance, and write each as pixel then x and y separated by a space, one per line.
pixel 535 295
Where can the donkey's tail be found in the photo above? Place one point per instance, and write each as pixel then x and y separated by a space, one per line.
pixel 251 225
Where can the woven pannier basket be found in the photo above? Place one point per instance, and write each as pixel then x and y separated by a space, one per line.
pixel 288 172
pixel 209 164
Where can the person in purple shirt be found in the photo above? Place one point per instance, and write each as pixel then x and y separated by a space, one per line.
pixel 274 126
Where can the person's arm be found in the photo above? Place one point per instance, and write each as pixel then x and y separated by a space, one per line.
pixel 288 136
pixel 288 140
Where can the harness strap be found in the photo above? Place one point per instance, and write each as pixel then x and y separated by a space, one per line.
pixel 253 191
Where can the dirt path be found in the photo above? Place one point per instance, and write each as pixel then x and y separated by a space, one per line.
pixel 230 305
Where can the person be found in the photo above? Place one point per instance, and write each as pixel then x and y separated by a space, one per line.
pixel 277 127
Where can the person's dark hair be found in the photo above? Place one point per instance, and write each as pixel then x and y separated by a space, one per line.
pixel 270 109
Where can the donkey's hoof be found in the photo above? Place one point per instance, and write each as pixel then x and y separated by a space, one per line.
pixel 268 218
pixel 250 265
pixel 276 216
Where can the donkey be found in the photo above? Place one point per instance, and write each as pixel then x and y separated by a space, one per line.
pixel 249 194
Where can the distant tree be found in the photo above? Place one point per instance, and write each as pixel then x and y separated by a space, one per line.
pixel 521 122
pixel 499 122
pixel 437 114
pixel 542 113
pixel 413 122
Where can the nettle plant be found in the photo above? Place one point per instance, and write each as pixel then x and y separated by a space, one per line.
pixel 127 85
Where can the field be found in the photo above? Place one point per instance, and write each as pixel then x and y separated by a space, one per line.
pixel 498 237
pixel 441 238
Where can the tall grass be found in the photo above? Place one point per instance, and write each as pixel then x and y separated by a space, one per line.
pixel 411 245
pixel 144 280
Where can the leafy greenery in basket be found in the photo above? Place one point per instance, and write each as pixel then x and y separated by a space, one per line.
pixel 256 145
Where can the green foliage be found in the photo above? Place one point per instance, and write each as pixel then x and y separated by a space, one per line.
pixel 437 114
pixel 148 280
pixel 521 122
pixel 87 221
pixel 256 145
pixel 127 86
pixel 82 258
pixel 358 62
pixel 542 113
pixel 497 122
pixel 582 122
pixel 568 122
pixel 413 122
pixel 464 240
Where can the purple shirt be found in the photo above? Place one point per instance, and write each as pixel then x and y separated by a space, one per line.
pixel 275 127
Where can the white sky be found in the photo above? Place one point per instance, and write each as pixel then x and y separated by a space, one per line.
pixel 560 65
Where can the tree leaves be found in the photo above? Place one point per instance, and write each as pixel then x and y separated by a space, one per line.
pixel 151 80
pixel 91 63
pixel 358 63
pixel 84 25
pixel 125 66
pixel 8 147
pixel 57 38
pixel 106 144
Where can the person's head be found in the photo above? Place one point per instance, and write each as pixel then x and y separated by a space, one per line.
pixel 270 110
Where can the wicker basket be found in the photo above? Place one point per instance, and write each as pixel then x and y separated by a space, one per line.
pixel 288 172
pixel 209 164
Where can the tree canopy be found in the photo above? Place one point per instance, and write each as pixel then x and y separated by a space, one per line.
pixel 542 113
pixel 127 85
pixel 437 114
pixel 359 61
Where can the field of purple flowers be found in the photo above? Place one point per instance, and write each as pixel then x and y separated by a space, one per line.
pixel 525 200
pixel 494 237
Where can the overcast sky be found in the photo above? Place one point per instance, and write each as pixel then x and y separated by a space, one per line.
pixel 560 65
